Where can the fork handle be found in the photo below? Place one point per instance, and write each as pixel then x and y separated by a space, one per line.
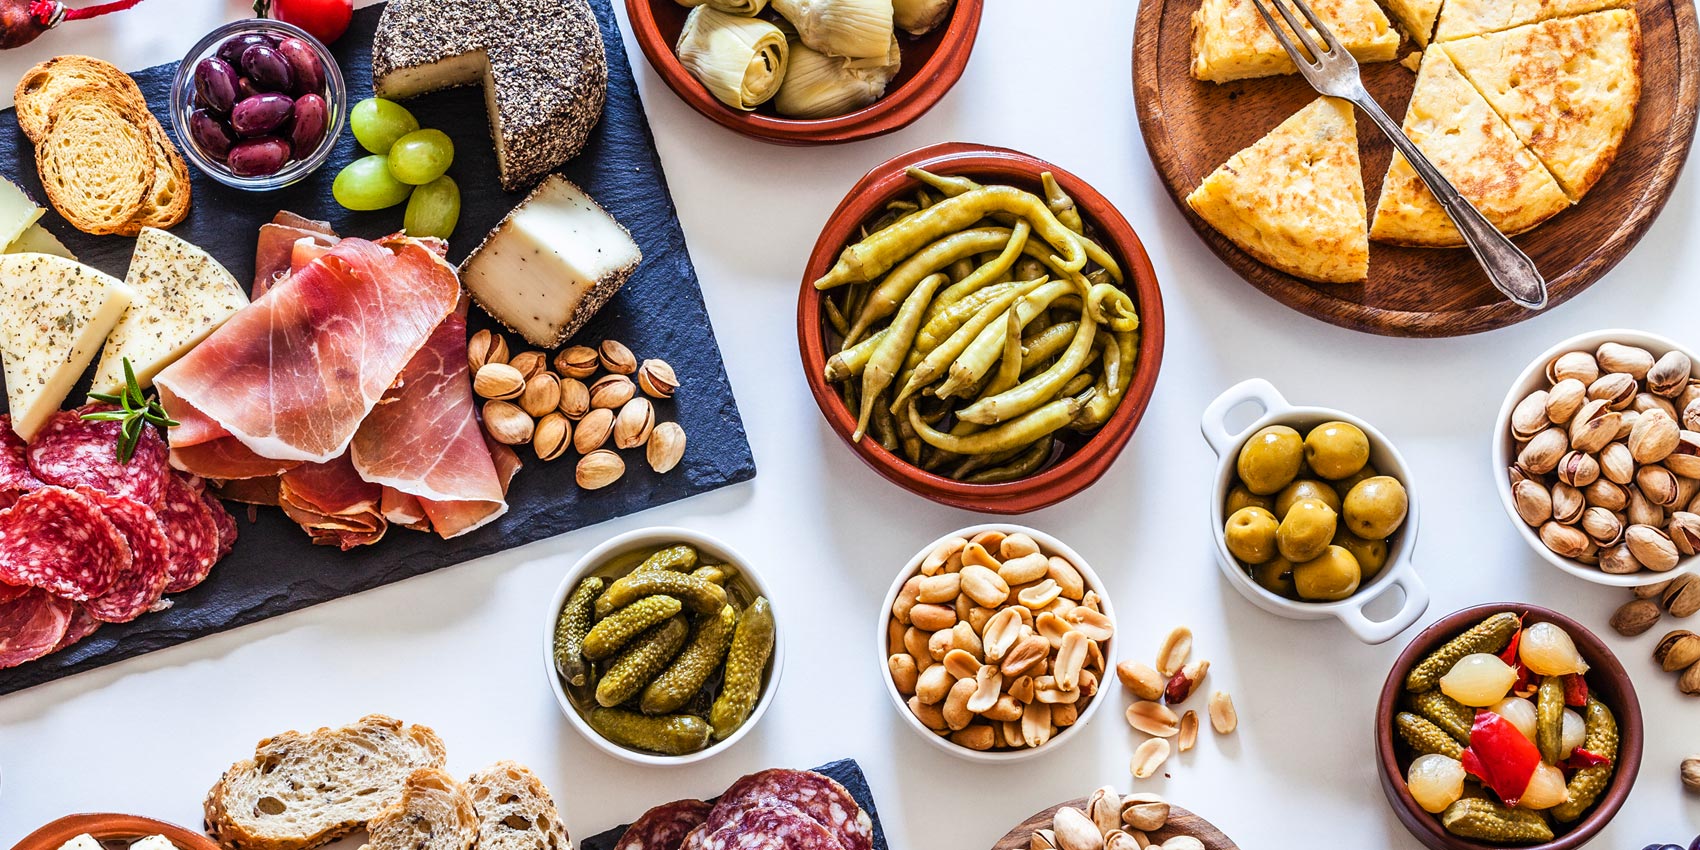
pixel 1508 268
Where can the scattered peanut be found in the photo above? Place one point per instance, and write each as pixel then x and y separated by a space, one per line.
pixel 1223 718
pixel 1148 757
pixel 1176 649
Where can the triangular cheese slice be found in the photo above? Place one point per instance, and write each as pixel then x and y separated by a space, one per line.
pixel 1464 18
pixel 1416 17
pixel 38 240
pixel 53 314
pixel 1568 88
pixel 1231 41
pixel 1472 146
pixel 1295 198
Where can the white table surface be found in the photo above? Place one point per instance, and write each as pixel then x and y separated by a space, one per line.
pixel 458 649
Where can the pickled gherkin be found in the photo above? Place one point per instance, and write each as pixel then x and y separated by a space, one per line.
pixel 675 735
pixel 571 628
pixel 1485 820
pixel 699 596
pixel 1489 636
pixel 684 678
pixel 1549 719
pixel 681 558
pixel 1452 716
pixel 715 573
pixel 1586 785
pixel 618 628
pixel 746 661
pixel 1425 737
pixel 640 661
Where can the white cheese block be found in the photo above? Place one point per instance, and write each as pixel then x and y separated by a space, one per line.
pixel 82 842
pixel 38 240
pixel 551 264
pixel 154 842
pixel 182 295
pixel 54 313
pixel 17 211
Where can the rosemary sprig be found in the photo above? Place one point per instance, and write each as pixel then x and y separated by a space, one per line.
pixel 136 411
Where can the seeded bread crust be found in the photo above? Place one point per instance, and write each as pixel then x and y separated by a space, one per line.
pixel 434 813
pixel 515 810
pixel 367 763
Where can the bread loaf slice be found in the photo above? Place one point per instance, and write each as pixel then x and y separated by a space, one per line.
pixel 303 790
pixel 96 161
pixel 434 813
pixel 167 203
pixel 43 85
pixel 515 811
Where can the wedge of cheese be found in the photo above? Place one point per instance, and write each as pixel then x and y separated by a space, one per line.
pixel 551 264
pixel 1568 88
pixel 1231 41
pixel 1464 18
pixel 39 240
pixel 54 313
pixel 182 295
pixel 1470 144
pixel 17 212
pixel 1295 198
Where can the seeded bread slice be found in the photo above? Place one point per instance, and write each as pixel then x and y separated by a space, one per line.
pixel 42 86
pixel 303 790
pixel 515 811
pixel 434 813
pixel 96 161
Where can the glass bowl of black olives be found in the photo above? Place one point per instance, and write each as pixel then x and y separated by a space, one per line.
pixel 258 104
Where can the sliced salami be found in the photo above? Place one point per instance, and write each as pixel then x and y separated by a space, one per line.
pixel 223 521
pixel 70 451
pixel 32 624
pixel 139 588
pixel 765 828
pixel 193 534
pixel 15 473
pixel 58 540
pixel 82 625
pixel 664 827
pixel 819 797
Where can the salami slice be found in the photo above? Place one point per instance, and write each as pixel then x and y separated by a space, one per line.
pixel 82 625
pixel 60 541
pixel 223 521
pixel 193 534
pixel 137 589
pixel 31 625
pixel 664 827
pixel 14 464
pixel 819 797
pixel 765 828
pixel 71 451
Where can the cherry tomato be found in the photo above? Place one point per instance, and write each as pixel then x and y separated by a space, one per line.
pixel 325 19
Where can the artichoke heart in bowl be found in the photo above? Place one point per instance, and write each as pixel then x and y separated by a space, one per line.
pixel 740 60
pixel 820 86
pixel 859 29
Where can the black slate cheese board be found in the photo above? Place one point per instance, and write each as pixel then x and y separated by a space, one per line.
pixel 845 771
pixel 274 568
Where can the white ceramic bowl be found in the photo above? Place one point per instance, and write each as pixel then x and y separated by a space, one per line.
pixel 1051 546
pixel 1386 459
pixel 1505 454
pixel 649 539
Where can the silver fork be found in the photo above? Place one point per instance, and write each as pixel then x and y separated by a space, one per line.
pixel 1334 72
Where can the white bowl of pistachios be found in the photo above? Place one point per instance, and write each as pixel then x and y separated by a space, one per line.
pixel 1597 456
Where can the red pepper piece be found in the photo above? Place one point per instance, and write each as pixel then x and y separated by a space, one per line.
pixel 1580 758
pixel 1575 690
pixel 1500 756
pixel 1509 654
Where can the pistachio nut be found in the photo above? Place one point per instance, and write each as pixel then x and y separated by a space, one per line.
pixel 614 357
pixel 1617 560
pixel 1652 547
pixel 1534 502
pixel 599 469
pixel 1636 616
pixel 1677 650
pixel 1642 511
pixel 1043 839
pixel 1602 526
pixel 657 379
pixel 1567 504
pixel 1542 453
pixel 1658 484
pixel 633 424
pixel 1595 425
pixel 1670 374
pixel 1691 416
pixel 542 394
pixel 575 398
pixel 1691 774
pixel 1684 531
pixel 1684 459
pixel 1121 840
pixel 1564 541
pixel 1104 809
pixel 1182 842
pixel 1682 597
pixel 1650 591
pixel 578 361
pixel 1626 420
pixel 593 430
pixel 1564 399
pixel 530 363
pixel 1076 831
pixel 1578 469
pixel 485 347
pixel 666 447
pixel 551 436
pixel 1574 365
pixel 1617 357
pixel 1145 812
pixel 1689 683
pixel 1647 401
pixel 1516 474
pixel 506 423
pixel 612 391
pixel 1654 436
pixel 498 381
pixel 1616 389
pixel 1617 463
pixel 1530 416
pixel 1605 494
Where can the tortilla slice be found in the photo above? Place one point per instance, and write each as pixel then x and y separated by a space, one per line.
pixel 1416 17
pixel 1464 138
pixel 1295 198
pixel 1231 41
pixel 1568 88
pixel 1464 18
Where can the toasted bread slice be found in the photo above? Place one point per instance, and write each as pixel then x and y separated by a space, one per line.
pixel 1231 41
pixel 434 813
pixel 1295 198
pixel 167 203
pixel 1567 87
pixel 1464 18
pixel 43 84
pixel 1473 147
pixel 515 811
pixel 303 790
pixel 96 161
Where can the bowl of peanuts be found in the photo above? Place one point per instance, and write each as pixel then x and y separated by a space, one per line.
pixel 996 639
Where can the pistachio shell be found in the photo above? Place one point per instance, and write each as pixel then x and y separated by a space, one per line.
pixel 1530 416
pixel 498 381
pixel 1652 547
pixel 666 447
pixel 1670 374
pixel 615 357
pixel 1564 399
pixel 1595 425
pixel 599 469
pixel 1654 436
pixel 1543 452
pixel 578 361
pixel 1617 463
pixel 1578 469
pixel 1617 357
pixel 1617 389
pixel 1577 365
pixel 1534 502
pixel 506 423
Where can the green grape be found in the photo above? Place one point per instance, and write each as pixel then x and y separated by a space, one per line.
pixel 377 123
pixel 421 156
pixel 433 209
pixel 366 184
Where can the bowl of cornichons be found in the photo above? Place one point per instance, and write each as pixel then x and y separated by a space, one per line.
pixel 981 327
pixel 662 647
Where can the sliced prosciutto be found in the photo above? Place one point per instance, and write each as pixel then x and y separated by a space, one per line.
pixel 292 375
pixel 424 439
pixel 277 246
pixel 333 503
pixel 33 623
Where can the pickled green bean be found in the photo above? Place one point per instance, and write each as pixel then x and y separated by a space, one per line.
pixel 990 271
pixel 835 317
pixel 960 269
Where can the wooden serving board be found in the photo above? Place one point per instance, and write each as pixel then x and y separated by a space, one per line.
pixel 1181 822
pixel 1192 127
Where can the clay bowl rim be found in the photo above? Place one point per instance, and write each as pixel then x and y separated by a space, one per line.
pixel 1074 472
pixel 896 110
pixel 1426 827
pixel 111 826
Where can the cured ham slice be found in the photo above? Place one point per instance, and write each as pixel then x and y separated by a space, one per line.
pixel 273 256
pixel 292 376
pixel 333 503
pixel 200 447
pixel 424 439
pixel 404 510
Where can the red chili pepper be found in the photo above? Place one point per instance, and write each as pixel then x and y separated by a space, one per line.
pixel 1509 654
pixel 1580 758
pixel 1575 690
pixel 1500 756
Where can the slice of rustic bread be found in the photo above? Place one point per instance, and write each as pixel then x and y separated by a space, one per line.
pixel 167 203
pixel 45 83
pixel 303 790
pixel 515 811
pixel 434 813
pixel 96 161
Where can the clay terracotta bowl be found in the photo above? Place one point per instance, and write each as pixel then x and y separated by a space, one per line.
pixel 932 63
pixel 112 827
pixel 1606 680
pixel 1083 458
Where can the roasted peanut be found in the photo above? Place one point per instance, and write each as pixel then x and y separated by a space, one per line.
pixel 904 673
pixel 1141 680
pixel 932 618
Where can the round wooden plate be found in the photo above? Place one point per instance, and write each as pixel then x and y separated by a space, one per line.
pixel 1192 127
pixel 1181 822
